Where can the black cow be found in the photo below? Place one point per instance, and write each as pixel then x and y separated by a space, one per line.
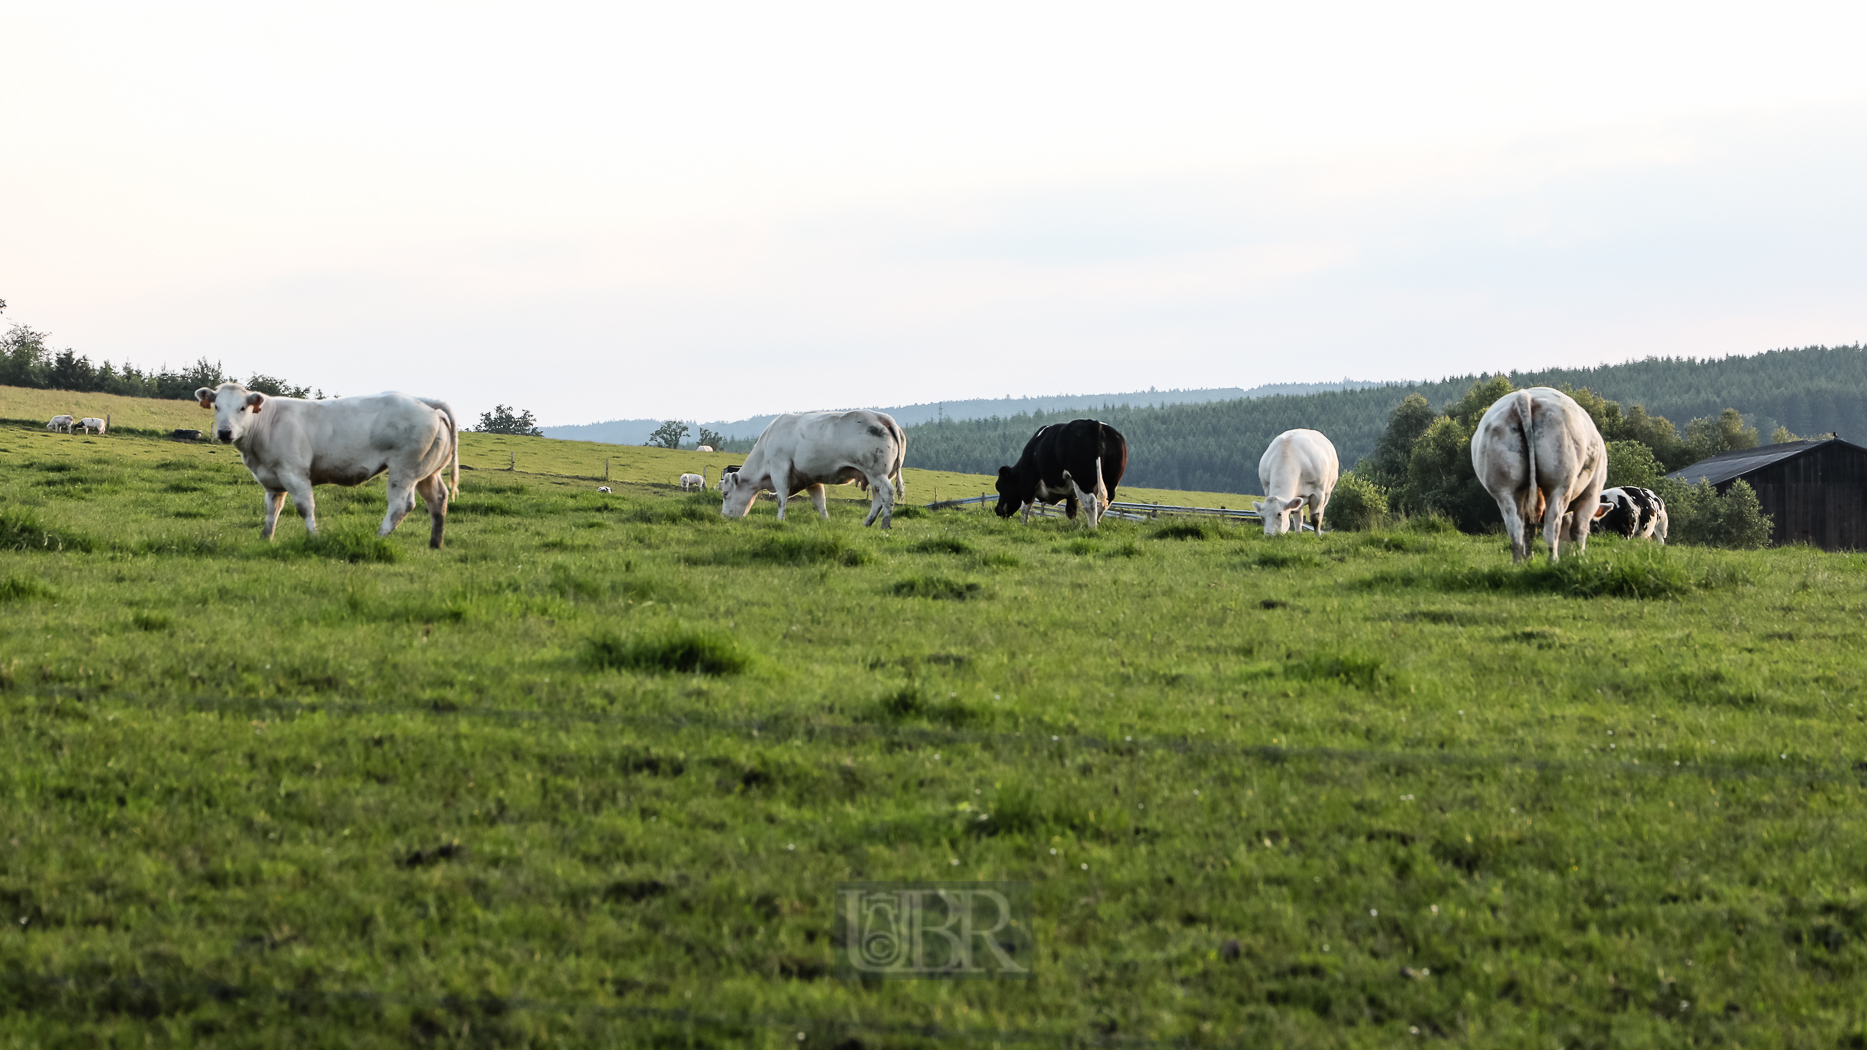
pixel 1079 462
pixel 1632 512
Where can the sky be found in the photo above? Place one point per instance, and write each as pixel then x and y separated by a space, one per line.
pixel 713 210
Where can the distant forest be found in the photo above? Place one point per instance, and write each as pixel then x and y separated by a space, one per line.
pixel 1214 446
pixel 26 360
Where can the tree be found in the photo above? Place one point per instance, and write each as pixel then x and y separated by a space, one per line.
pixel 712 438
pixel 272 386
pixel 1387 467
pixel 1707 436
pixel 1631 463
pixel 669 434
pixel 503 420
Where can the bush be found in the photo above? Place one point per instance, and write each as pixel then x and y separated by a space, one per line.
pixel 1631 463
pixel 1356 505
pixel 676 650
pixel 1699 514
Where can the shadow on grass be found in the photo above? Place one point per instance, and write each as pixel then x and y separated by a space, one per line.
pixel 940 588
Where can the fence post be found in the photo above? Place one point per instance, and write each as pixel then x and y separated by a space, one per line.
pixel 512 461
pixel 605 468
pixel 106 422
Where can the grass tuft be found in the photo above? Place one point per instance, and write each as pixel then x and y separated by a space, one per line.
pixel 20 589
pixel 1080 545
pixel 937 587
pixel 677 650
pixel 943 545
pixel 1285 556
pixel 146 621
pixel 1361 672
pixel 359 545
pixel 1192 529
pixel 809 550
pixel 19 533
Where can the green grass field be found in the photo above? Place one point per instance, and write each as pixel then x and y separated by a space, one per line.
pixel 590 775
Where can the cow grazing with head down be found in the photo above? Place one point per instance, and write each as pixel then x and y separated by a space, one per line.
pixel 1300 467
pixel 1541 457
pixel 291 444
pixel 1635 513
pixel 92 425
pixel 61 423
pixel 804 451
pixel 1079 463
pixel 693 482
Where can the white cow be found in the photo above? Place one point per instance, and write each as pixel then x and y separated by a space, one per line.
pixel 703 448
pixel 695 482
pixel 602 488
pixel 803 452
pixel 1300 467
pixel 291 444
pixel 63 423
pixel 92 424
pixel 1540 456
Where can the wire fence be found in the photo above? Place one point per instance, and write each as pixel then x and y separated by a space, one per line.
pixel 1124 509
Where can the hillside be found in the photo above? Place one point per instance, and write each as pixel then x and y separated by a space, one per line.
pixel 636 431
pixel 1215 446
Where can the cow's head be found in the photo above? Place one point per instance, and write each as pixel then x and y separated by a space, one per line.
pixel 1276 514
pixel 234 408
pixel 738 492
pixel 1009 499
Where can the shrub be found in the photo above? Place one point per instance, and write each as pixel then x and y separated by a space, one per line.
pixel 1356 505
pixel 1631 463
pixel 936 587
pixel 676 650
pixel 1699 514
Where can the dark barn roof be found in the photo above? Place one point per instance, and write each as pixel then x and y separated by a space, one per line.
pixel 1815 492
pixel 1725 466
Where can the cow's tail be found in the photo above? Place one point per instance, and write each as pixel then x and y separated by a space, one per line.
pixel 900 458
pixel 453 437
pixel 1524 405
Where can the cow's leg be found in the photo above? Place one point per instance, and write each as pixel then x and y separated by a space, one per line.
pixel 1555 517
pixel 401 501
pixel 1028 504
pixel 1317 503
pixel 1514 527
pixel 300 491
pixel 1093 511
pixel 275 502
pixel 433 490
pixel 817 500
pixel 881 502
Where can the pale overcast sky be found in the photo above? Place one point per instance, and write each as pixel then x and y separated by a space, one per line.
pixel 712 210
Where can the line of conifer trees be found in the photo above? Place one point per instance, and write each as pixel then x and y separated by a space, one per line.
pixel 26 360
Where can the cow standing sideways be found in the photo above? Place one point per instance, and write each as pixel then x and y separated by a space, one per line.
pixel 1634 513
pixel 63 423
pixel 804 451
pixel 1540 456
pixel 1079 462
pixel 291 444
pixel 92 425
pixel 693 482
pixel 1300 467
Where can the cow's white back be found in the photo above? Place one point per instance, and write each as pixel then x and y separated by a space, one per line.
pixel 804 451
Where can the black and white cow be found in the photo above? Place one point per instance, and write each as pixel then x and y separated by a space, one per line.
pixel 1078 462
pixel 1632 512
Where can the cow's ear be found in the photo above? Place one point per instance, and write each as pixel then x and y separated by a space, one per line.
pixel 1601 510
pixel 253 401
pixel 205 395
pixel 1004 472
pixel 1257 506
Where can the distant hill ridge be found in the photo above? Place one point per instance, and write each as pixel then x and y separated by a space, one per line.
pixel 1214 446
pixel 636 431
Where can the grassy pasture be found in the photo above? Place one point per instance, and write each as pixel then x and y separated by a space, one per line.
pixel 589 775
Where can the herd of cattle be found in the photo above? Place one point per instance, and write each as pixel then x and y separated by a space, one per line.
pixel 1535 451
pixel 89 424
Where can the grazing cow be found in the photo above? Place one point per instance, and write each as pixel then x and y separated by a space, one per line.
pixel 1632 512
pixel 804 451
pixel 726 472
pixel 291 444
pixel 602 488
pixel 1539 455
pixel 1299 467
pixel 695 482
pixel 1079 462
pixel 703 448
pixel 63 423
pixel 92 425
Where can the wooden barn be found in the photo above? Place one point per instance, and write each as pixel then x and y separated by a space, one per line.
pixel 1814 491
